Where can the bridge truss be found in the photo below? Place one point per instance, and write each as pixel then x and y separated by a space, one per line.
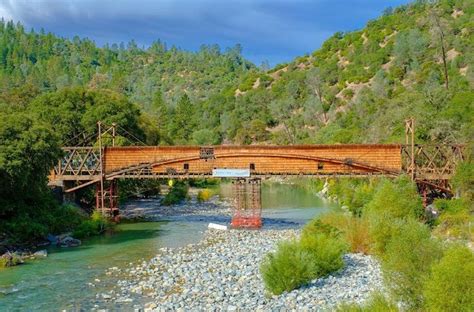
pixel 431 166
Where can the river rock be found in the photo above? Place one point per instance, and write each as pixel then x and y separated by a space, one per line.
pixel 222 273
pixel 41 253
pixel 68 241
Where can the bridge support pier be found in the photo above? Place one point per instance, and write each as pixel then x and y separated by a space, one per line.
pixel 247 212
pixel 107 201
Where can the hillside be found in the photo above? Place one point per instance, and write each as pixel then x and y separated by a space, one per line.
pixel 49 63
pixel 360 86
pixel 415 60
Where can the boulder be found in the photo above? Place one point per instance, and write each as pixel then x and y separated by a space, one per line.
pixel 41 253
pixel 68 241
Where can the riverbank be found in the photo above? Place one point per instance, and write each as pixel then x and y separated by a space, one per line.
pixel 221 272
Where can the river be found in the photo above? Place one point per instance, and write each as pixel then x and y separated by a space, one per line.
pixel 66 278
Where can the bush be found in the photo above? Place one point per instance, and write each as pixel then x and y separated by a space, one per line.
pixel 407 260
pixel 96 225
pixel 317 226
pixel 204 195
pixel 326 251
pixel 376 303
pixel 451 286
pixel 396 199
pixel 455 219
pixel 177 194
pixel 354 230
pixel 288 268
pixel 381 231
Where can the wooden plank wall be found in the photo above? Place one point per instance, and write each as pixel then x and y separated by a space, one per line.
pixel 266 159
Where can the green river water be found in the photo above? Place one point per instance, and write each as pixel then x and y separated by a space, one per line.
pixel 61 281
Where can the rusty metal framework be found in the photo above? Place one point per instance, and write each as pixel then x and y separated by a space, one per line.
pixel 431 162
pixel 79 163
pixel 247 212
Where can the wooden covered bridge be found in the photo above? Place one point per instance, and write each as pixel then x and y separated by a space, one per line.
pixel 431 166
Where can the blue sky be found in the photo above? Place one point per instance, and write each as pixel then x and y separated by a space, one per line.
pixel 272 30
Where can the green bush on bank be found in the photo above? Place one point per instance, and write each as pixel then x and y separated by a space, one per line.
pixel 288 268
pixel 409 254
pixel 204 195
pixel 407 260
pixel 326 251
pixel 451 286
pixel 396 199
pixel 455 219
pixel 318 253
pixel 376 303
pixel 177 193
pixel 97 224
pixel 354 230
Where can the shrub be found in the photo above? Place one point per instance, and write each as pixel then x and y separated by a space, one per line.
pixel 326 252
pixel 177 194
pixel 288 268
pixel 354 230
pixel 376 303
pixel 381 231
pixel 396 199
pixel 204 195
pixel 407 260
pixel 455 219
pixel 95 225
pixel 451 286
pixel 316 226
pixel 463 180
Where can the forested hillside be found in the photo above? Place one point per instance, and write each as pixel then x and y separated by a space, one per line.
pixel 50 63
pixel 415 60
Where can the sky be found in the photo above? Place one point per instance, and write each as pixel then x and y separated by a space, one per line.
pixel 276 31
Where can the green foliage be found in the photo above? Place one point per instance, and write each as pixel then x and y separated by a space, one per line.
pixel 392 65
pixel 176 194
pixel 97 224
pixel 326 251
pixel 134 188
pixel 455 219
pixel 450 286
pixel 398 199
pixel 352 193
pixel 376 303
pixel 463 180
pixel 288 268
pixel 294 264
pixel 407 260
pixel 72 111
pixel 354 230
pixel 204 195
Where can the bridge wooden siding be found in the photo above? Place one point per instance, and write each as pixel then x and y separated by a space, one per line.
pixel 262 160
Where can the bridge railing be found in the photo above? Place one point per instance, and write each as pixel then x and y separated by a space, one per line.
pixel 79 162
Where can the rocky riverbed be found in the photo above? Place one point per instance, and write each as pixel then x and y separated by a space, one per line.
pixel 221 272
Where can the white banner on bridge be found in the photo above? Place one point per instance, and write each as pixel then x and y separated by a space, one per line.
pixel 231 173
